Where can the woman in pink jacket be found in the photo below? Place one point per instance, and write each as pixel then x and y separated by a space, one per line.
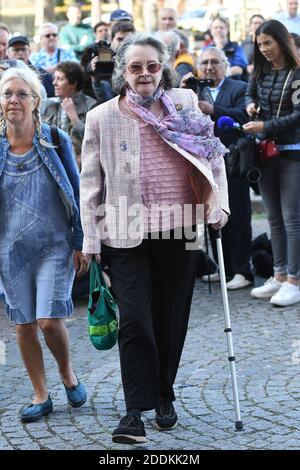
pixel 150 163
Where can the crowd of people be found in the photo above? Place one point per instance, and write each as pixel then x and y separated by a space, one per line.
pixel 141 160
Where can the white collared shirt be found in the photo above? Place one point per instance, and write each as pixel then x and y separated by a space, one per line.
pixel 215 90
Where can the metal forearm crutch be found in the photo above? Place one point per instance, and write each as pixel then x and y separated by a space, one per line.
pixel 206 249
pixel 228 331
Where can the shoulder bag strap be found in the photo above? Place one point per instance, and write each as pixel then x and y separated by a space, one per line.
pixel 282 93
pixel 56 140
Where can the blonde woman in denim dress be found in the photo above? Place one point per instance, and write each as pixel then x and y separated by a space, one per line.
pixel 40 236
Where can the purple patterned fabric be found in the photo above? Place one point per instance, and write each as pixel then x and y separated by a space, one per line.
pixel 189 129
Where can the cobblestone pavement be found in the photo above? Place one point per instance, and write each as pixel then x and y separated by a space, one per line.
pixel 267 348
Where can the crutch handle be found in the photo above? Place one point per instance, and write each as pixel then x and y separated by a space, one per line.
pixel 216 233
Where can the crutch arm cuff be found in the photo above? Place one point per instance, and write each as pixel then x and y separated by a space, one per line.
pixel 215 234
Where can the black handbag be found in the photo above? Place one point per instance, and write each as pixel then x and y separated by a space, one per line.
pixel 241 162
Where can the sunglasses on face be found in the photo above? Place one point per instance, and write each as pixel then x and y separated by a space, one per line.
pixel 50 35
pixel 137 69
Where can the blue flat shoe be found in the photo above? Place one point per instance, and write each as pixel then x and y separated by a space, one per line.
pixel 32 413
pixel 76 395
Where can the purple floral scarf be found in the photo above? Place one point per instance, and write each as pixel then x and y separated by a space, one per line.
pixel 189 129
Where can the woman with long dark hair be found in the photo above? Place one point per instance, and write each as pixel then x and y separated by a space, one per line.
pixel 273 102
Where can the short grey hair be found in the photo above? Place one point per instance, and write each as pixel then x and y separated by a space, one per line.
pixel 183 38
pixel 220 52
pixel 48 25
pixel 3 27
pixel 164 9
pixel 120 59
pixel 172 41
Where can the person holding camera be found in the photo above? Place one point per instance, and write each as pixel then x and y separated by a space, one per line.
pixel 97 60
pixel 102 31
pixel 149 155
pixel 227 97
pixel 273 102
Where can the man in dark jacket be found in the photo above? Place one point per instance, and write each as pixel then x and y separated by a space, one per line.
pixel 227 98
pixel 220 28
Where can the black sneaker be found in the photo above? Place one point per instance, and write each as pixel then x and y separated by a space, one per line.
pixel 130 430
pixel 166 417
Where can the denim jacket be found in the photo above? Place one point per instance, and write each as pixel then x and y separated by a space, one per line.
pixel 64 172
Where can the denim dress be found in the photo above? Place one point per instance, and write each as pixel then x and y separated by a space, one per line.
pixel 36 268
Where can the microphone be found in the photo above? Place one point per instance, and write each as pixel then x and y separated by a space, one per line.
pixel 227 123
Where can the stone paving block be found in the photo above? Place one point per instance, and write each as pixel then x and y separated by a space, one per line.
pixel 16 442
pixel 90 447
pixel 294 415
pixel 226 445
pixel 25 446
pixel 12 428
pixel 274 446
pixel 59 445
pixel 280 440
pixel 261 425
pixel 4 444
pixel 41 434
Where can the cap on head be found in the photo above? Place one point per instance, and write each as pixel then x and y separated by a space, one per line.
pixel 119 15
pixel 18 40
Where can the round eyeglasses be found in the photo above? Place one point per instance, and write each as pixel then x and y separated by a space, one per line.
pixel 21 95
pixel 212 62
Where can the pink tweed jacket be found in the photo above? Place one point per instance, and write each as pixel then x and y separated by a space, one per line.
pixel 110 175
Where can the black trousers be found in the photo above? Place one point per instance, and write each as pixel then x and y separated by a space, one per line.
pixel 237 233
pixel 153 284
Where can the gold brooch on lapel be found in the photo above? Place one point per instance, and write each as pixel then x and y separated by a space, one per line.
pixel 178 107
